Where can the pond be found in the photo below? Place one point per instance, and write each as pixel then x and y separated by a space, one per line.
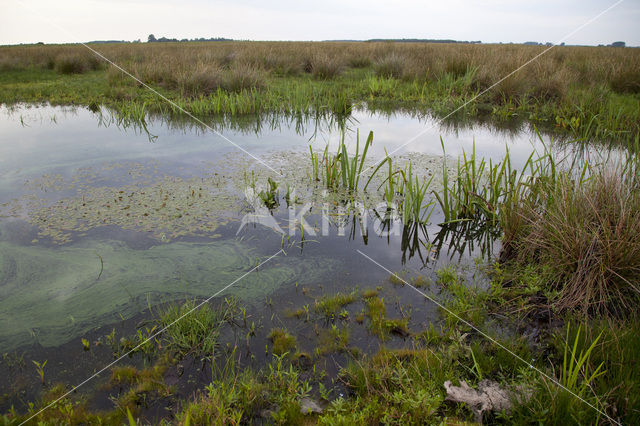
pixel 100 220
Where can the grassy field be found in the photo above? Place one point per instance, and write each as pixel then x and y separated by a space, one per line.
pixel 589 92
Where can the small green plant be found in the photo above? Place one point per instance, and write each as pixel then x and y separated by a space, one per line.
pixel 575 365
pixel 367 294
pixel 85 344
pixel 290 196
pixel 352 167
pixel 130 419
pixel 40 369
pixel 271 196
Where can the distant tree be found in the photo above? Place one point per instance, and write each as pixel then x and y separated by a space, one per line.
pixel 618 44
pixel 151 38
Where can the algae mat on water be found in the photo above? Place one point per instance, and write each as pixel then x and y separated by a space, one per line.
pixel 52 295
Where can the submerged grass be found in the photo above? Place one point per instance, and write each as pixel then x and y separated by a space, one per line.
pixel 283 341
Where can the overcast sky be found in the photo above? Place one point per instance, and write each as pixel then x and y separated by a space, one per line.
pixel 488 21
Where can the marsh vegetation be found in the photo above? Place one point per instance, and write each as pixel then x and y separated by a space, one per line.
pixel 517 270
pixel 588 92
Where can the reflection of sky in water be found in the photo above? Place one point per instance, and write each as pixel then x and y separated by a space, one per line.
pixel 394 132
pixel 33 140
pixel 49 137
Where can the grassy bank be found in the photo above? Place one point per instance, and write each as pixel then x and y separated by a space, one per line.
pixel 582 91
pixel 389 385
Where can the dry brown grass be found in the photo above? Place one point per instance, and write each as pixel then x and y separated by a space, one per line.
pixel 324 67
pixel 549 76
pixel 585 238
pixel 391 65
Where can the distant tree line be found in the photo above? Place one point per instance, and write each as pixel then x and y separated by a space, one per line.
pixel 153 39
pixel 112 41
pixel 423 40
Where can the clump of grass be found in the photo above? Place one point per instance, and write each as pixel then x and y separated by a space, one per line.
pixel 236 396
pixel 324 67
pixel 456 66
pixel 382 86
pixel 142 383
pixel 414 209
pixel 420 281
pixel 615 351
pixel 244 77
pixel 196 332
pixel 76 63
pixel 579 375
pixel 360 61
pixel 389 66
pixel 584 233
pixel 123 374
pixel 298 313
pixel 397 279
pixel 330 305
pixel 552 88
pixel 411 189
pixel 283 342
pixel 625 80
pixel 447 277
pixel 477 190
pixel 200 81
pixel 401 386
pixel 55 408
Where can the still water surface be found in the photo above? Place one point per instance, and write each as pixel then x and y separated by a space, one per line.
pixel 100 220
